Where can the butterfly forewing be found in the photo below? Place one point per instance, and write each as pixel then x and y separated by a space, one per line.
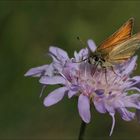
pixel 118 37
pixel 125 50
pixel 119 47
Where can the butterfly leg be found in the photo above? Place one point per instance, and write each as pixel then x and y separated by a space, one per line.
pixel 114 71
pixel 94 70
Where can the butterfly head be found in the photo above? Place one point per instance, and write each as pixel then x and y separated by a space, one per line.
pixel 96 58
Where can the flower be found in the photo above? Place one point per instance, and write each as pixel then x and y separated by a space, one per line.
pixel 109 90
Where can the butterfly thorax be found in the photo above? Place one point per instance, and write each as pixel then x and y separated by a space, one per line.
pixel 99 59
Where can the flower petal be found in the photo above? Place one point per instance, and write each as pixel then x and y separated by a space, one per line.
pixel 132 101
pixel 81 55
pixel 77 58
pixel 47 80
pixel 135 83
pixel 99 105
pixel 113 123
pixel 134 88
pixel 91 45
pixel 125 114
pixel 130 65
pixel 59 53
pixel 55 96
pixel 71 93
pixel 36 72
pixel 109 107
pixel 136 78
pixel 50 70
pixel 84 108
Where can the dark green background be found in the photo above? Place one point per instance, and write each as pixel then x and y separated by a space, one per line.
pixel 27 29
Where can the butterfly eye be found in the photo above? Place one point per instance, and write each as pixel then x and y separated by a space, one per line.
pixel 96 58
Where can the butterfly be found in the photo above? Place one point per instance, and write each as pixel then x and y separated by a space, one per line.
pixel 117 48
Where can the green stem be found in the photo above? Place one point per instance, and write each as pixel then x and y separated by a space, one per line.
pixel 82 130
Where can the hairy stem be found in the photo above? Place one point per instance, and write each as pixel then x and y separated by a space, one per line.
pixel 82 130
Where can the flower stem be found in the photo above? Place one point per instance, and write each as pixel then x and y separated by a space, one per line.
pixel 82 130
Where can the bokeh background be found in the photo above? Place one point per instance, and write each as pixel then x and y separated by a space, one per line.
pixel 27 29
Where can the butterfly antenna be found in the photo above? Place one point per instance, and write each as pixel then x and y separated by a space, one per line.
pixel 81 41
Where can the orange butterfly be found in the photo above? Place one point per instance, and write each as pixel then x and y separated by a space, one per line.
pixel 117 48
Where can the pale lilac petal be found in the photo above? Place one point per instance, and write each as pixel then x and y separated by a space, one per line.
pixel 50 70
pixel 76 57
pixel 132 101
pixel 135 84
pixel 82 55
pixel 71 93
pixel 84 108
pixel 75 88
pixel 52 80
pixel 58 52
pixel 136 78
pixel 55 96
pixel 132 83
pixel 125 114
pixel 91 45
pixel 113 123
pixel 109 108
pixel 85 69
pixel 36 72
pixel 58 66
pixel 134 88
pixel 130 65
pixel 67 74
pixel 99 105
pixel 118 103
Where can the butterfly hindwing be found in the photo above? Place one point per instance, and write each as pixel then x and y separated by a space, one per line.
pixel 125 50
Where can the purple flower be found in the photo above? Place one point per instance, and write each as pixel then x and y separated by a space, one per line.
pixel 108 90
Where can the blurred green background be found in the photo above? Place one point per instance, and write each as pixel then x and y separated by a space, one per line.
pixel 27 29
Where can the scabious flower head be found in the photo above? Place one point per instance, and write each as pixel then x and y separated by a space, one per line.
pixel 108 90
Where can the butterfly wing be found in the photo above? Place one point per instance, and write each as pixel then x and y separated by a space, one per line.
pixel 119 36
pixel 125 50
